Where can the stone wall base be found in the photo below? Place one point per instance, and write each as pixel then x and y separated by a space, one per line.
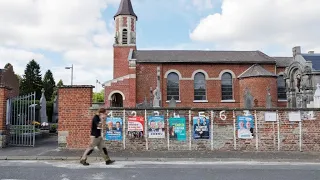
pixel 62 139
pixel 3 141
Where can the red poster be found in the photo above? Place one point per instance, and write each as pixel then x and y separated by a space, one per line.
pixel 135 126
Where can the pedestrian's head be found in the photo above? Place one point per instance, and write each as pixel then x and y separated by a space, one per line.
pixel 102 113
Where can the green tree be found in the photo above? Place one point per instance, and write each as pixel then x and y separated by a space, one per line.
pixel 49 85
pixel 60 83
pixel 31 80
pixel 98 97
pixel 55 92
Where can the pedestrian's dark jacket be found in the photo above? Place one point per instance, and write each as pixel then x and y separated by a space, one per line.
pixel 94 127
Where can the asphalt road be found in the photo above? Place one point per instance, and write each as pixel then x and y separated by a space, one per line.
pixel 125 170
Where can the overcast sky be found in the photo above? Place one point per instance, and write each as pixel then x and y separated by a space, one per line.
pixel 58 33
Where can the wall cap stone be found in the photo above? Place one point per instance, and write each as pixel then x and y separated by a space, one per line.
pixel 76 86
pixel 216 109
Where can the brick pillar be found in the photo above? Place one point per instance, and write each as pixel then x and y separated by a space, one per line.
pixel 4 91
pixel 74 119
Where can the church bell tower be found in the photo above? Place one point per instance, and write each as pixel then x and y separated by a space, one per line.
pixel 125 24
pixel 125 38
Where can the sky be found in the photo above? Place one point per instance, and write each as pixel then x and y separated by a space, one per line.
pixel 59 33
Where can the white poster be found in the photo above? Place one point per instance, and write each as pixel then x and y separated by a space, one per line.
pixel 294 116
pixel 270 116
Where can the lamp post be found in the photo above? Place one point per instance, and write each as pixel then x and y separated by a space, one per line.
pixel 71 67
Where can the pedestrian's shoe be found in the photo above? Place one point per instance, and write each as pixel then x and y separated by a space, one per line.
pixel 84 162
pixel 110 162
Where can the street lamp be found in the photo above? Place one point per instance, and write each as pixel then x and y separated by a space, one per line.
pixel 71 73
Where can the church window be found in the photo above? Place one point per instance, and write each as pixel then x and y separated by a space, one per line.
pixel 226 86
pixel 124 36
pixel 173 86
pixel 281 88
pixel 200 86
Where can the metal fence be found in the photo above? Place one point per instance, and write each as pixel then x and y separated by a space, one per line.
pixel 21 120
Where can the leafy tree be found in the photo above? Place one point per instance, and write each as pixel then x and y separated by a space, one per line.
pixel 60 83
pixel 31 80
pixel 98 97
pixel 49 85
pixel 55 91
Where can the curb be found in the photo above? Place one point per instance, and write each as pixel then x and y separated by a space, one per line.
pixel 75 158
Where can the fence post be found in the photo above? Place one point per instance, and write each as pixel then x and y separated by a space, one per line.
pixel 234 131
pixel 190 130
pixel 300 137
pixel 211 130
pixel 146 128
pixel 278 123
pixel 256 126
pixel 124 129
pixel 168 140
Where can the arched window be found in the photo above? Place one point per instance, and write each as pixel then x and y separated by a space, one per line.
pixel 226 86
pixel 281 88
pixel 173 86
pixel 200 86
pixel 124 36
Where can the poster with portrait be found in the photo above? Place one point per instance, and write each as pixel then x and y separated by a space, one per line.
pixel 245 126
pixel 135 126
pixel 201 128
pixel 114 129
pixel 177 129
pixel 156 127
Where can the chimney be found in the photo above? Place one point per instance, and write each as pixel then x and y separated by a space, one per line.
pixel 296 50
pixel 311 52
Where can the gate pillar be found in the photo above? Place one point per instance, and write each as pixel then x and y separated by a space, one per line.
pixel 4 92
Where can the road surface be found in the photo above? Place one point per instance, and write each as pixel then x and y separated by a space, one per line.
pixel 153 170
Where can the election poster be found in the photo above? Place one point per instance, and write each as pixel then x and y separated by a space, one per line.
pixel 245 127
pixel 177 129
pixel 156 127
pixel 201 128
pixel 135 126
pixel 114 129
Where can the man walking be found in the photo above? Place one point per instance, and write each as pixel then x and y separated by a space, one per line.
pixel 96 139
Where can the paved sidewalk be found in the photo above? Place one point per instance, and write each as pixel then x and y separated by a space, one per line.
pixel 47 150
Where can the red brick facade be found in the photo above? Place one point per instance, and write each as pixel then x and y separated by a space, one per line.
pixel 9 79
pixel 74 118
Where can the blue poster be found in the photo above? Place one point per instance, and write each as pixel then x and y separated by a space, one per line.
pixel 114 129
pixel 177 129
pixel 201 128
pixel 245 125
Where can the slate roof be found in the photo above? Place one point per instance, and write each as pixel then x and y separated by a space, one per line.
pixel 194 56
pixel 256 71
pixel 314 58
pixel 283 61
pixel 125 8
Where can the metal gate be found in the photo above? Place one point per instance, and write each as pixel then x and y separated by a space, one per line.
pixel 21 120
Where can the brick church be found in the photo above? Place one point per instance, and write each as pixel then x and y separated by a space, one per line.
pixel 192 78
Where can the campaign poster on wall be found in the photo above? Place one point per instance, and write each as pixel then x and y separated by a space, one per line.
pixel 201 128
pixel 114 129
pixel 156 127
pixel 135 126
pixel 245 127
pixel 177 129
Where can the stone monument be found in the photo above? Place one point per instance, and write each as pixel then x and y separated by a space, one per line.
pixel 157 92
pixel 248 99
pixel 268 99
pixel 55 110
pixel 43 110
pixel 172 103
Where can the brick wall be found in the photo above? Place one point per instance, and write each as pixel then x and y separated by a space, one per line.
pixel 120 60
pixel 223 136
pixel 75 115
pixel 74 118
pixel 146 78
pixel 258 88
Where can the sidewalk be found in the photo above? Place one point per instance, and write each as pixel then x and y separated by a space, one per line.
pixel 47 150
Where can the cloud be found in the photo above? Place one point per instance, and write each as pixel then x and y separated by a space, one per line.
pixel 74 29
pixel 249 24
